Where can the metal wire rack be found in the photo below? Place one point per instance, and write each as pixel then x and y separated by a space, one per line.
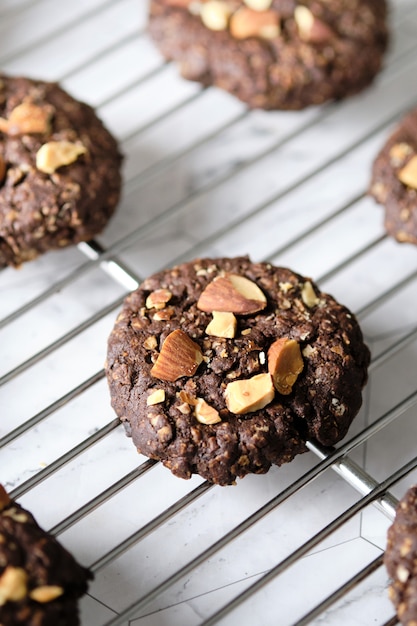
pixel 204 176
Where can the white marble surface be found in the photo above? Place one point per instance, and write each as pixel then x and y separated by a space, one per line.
pixel 205 176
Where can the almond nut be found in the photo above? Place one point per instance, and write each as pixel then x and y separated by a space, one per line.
pixel 179 356
pixel 28 118
pixel 156 397
pixel 408 174
pixel 252 394
pixel 285 363
pixel 258 5
pixel 46 593
pixel 13 584
pixel 232 293
pixel 223 324
pixel 158 299
pixel 399 152
pixel 308 295
pixel 205 413
pixel 4 498
pixel 310 28
pixel 215 14
pixel 249 23
pixel 55 154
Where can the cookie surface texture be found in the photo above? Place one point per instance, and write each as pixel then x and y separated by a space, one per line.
pixel 223 367
pixel 40 582
pixel 394 180
pixel 274 54
pixel 401 558
pixel 59 170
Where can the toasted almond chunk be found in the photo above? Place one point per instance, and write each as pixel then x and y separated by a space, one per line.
pixel 13 584
pixel 408 174
pixel 285 364
pixel 215 14
pixel 179 356
pixel 28 118
pixel 158 299
pixel 46 593
pixel 308 295
pixel 223 324
pixel 205 413
pixel 156 397
pixel 258 5
pixel 55 154
pixel 252 394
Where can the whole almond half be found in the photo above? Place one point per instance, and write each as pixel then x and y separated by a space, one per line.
pixel 179 356
pixel 4 498
pixel 232 293
pixel 285 364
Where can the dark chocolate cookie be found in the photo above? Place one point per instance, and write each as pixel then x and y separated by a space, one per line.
pixel 401 558
pixel 274 54
pixel 40 582
pixel 59 170
pixel 223 367
pixel 394 180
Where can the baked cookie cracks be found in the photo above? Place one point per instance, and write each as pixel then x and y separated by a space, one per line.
pixel 40 582
pixel 59 170
pixel 224 367
pixel 274 54
pixel 394 180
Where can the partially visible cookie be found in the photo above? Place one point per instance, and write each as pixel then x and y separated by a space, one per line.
pixel 40 582
pixel 394 180
pixel 274 54
pixel 401 558
pixel 59 170
pixel 224 367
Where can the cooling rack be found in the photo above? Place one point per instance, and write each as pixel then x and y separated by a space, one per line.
pixel 204 176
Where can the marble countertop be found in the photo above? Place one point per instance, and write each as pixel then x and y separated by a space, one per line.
pixel 205 176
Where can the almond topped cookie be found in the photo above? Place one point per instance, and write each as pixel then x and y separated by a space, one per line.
pixel 274 54
pixel 59 170
pixel 223 367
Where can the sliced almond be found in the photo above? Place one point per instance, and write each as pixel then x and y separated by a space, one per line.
pixel 179 356
pixel 285 364
pixel 252 394
pixel 215 14
pixel 408 174
pixel 55 154
pixel 46 593
pixel 156 397
pixel 158 299
pixel 250 23
pixel 205 413
pixel 28 118
pixel 223 324
pixel 13 584
pixel 311 28
pixel 232 293
pixel 308 295
pixel 4 498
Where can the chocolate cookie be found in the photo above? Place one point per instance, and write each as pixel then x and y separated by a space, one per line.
pixel 40 582
pixel 401 558
pixel 223 367
pixel 394 180
pixel 59 170
pixel 274 54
